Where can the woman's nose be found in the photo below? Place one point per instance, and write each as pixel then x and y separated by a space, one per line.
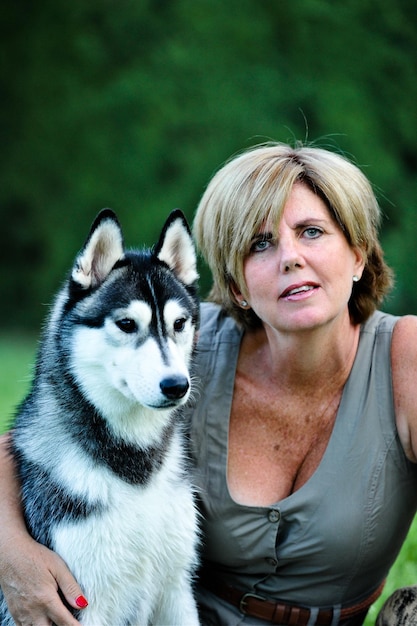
pixel 290 257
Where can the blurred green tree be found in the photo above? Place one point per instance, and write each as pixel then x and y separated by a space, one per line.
pixel 133 104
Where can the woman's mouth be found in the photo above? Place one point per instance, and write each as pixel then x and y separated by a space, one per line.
pixel 298 291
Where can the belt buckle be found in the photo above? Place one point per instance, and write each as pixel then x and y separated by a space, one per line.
pixel 243 600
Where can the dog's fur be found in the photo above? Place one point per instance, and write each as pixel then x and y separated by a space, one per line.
pixel 400 609
pixel 98 441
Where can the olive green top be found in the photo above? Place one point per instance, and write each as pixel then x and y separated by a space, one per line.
pixel 331 542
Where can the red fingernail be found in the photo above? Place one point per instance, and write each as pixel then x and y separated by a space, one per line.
pixel 81 602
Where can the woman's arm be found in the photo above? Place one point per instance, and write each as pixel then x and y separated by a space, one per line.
pixel 30 573
pixel 404 379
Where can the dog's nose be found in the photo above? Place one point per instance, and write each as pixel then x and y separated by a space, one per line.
pixel 174 387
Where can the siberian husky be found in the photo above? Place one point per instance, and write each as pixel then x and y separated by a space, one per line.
pixel 98 441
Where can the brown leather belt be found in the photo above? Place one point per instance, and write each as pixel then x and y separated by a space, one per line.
pixel 253 605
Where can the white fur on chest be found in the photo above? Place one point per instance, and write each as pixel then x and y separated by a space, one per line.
pixel 140 551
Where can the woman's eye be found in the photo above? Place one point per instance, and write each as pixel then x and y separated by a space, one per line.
pixel 312 232
pixel 261 244
pixel 179 324
pixel 127 325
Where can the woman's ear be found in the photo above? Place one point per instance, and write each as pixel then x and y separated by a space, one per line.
pixel 360 262
pixel 238 296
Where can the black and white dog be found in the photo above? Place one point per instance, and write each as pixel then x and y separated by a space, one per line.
pixel 98 441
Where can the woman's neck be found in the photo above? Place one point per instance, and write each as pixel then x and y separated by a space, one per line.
pixel 307 358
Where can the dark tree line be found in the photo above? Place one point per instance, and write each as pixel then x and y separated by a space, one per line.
pixel 133 104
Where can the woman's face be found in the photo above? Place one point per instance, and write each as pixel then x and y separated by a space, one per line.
pixel 301 277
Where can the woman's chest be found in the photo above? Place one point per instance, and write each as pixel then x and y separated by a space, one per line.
pixel 276 441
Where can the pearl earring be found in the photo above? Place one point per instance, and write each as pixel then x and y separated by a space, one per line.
pixel 243 304
pixel 355 278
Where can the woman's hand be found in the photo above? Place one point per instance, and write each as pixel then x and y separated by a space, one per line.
pixel 31 576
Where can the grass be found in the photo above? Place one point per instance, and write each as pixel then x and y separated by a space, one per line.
pixel 17 355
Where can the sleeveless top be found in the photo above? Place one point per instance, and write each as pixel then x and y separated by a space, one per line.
pixel 331 542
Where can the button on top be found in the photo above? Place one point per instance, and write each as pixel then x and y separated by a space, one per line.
pixel 274 516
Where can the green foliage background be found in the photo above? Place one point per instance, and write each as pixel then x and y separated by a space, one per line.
pixel 134 104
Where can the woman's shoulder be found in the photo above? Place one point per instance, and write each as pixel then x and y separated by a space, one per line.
pixel 380 322
pixel 404 343
pixel 404 352
pixel 406 327
pixel 216 325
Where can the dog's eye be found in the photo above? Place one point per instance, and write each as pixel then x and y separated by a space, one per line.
pixel 127 325
pixel 179 324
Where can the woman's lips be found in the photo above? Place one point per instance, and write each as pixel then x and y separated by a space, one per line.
pixel 298 290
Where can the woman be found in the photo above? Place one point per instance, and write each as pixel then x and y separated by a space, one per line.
pixel 304 431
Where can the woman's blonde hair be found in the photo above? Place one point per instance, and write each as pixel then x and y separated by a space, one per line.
pixel 254 187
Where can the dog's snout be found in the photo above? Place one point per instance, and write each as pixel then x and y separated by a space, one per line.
pixel 174 387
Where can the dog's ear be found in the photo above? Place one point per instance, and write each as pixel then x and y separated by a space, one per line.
pixel 176 248
pixel 102 249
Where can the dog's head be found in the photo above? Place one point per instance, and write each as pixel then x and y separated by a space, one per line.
pixel 131 318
